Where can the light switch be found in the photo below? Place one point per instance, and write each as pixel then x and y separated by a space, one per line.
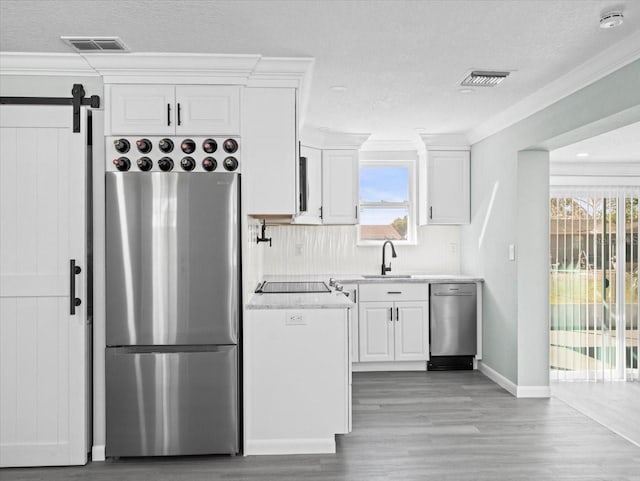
pixel 512 252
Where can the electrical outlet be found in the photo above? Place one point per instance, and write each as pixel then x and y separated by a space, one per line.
pixel 453 248
pixel 298 249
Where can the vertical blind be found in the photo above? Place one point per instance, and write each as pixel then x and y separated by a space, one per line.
pixel 594 284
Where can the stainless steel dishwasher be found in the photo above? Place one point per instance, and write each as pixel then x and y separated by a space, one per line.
pixel 452 324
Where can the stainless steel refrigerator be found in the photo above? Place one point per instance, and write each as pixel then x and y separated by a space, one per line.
pixel 173 313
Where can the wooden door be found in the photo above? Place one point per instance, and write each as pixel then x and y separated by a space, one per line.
pixel 43 353
pixel 411 332
pixel 376 331
pixel 141 109
pixel 208 110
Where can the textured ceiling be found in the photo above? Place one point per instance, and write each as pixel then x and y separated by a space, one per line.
pixel 400 60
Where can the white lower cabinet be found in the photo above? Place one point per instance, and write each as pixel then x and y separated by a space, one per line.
pixel 297 380
pixel 393 331
pixel 390 329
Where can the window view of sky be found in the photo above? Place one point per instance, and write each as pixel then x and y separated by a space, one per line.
pixel 384 184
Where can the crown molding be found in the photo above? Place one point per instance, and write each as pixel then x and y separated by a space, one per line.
pixel 56 64
pixel 390 146
pixel 330 139
pixel 185 68
pixel 293 72
pixel 603 64
pixel 452 141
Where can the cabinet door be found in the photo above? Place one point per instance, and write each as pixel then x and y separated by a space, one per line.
pixel 141 109
pixel 340 186
pixel 313 187
pixel 448 187
pixel 376 331
pixel 207 109
pixel 411 331
pixel 269 151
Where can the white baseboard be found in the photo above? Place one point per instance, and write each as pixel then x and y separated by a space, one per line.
pixel 498 378
pixel 98 453
pixel 389 366
pixel 289 446
pixel 534 392
pixel 513 388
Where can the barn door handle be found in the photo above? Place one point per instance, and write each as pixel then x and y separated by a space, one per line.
pixel 74 301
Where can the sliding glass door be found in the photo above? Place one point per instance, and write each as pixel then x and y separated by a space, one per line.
pixel 594 285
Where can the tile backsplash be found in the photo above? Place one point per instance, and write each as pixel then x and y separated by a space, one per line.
pixel 301 250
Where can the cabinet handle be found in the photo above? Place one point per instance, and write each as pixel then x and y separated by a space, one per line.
pixel 74 302
pixel 179 120
pixel 321 212
pixel 394 292
pixel 168 114
pixel 391 314
pixel 356 212
pixel 397 314
pixel 430 212
pixel 355 295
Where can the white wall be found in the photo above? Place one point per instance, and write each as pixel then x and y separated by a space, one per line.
pixel 334 250
pixel 49 86
pixel 500 195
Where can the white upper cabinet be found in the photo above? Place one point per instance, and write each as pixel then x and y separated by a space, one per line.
pixel 206 109
pixel 448 187
pixel 169 109
pixel 340 171
pixel 269 139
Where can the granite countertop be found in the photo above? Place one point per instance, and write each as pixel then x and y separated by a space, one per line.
pixel 415 278
pixel 353 278
pixel 309 300
pixel 337 300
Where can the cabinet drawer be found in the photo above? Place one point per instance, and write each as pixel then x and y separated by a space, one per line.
pixel 395 291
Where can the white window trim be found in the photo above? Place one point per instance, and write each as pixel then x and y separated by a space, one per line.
pixel 412 234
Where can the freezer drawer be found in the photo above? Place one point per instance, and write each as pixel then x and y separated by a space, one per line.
pixel 453 320
pixel 172 258
pixel 164 402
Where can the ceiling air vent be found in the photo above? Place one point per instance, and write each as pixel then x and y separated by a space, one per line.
pixel 484 78
pixel 95 44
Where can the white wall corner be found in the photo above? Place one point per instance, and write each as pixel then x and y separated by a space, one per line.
pixel 98 452
pixel 498 378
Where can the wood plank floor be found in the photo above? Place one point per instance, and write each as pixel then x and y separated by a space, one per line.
pixel 445 426
pixel 613 404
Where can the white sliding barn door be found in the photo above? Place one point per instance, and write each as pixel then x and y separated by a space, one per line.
pixel 43 352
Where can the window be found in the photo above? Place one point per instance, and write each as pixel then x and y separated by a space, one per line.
pixel 386 202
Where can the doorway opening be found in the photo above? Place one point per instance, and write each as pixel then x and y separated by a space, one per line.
pixel 594 289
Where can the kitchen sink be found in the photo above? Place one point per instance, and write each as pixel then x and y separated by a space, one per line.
pixel 388 276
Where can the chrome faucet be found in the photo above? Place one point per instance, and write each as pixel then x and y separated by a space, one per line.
pixel 386 269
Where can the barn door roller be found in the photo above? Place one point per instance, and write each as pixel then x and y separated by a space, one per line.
pixel 76 101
